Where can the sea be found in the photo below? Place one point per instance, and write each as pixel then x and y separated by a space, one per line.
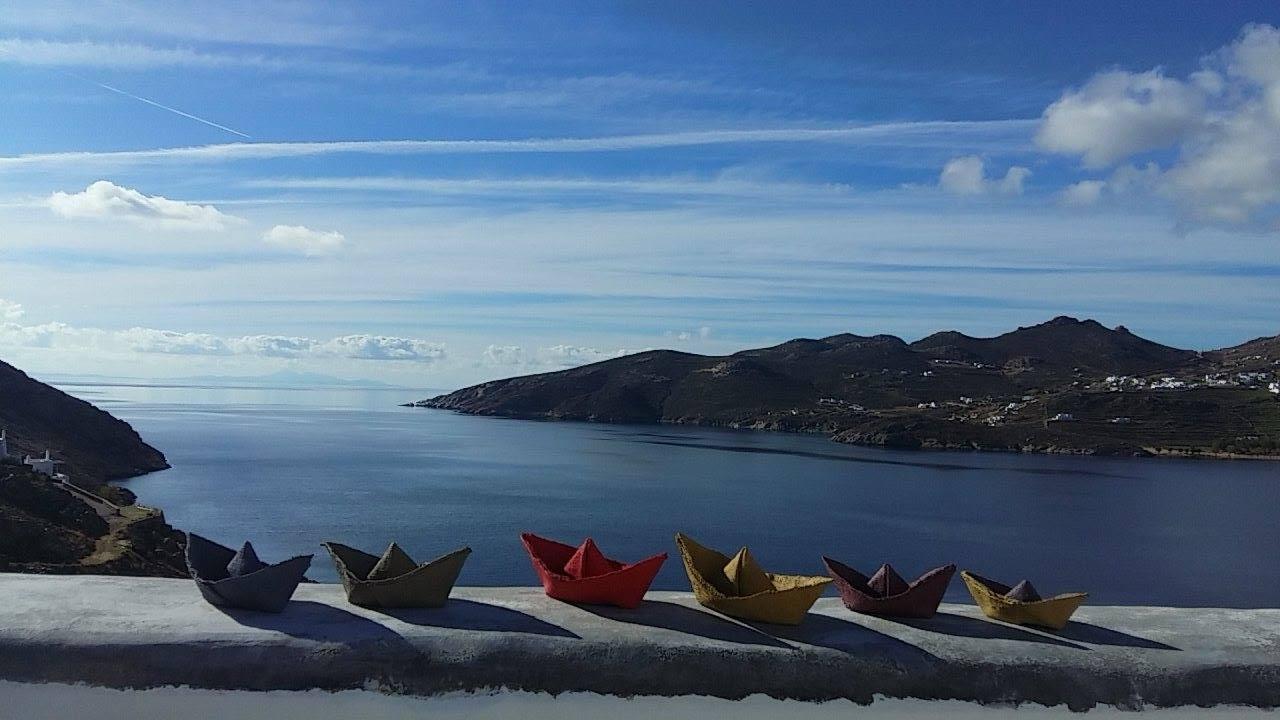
pixel 290 467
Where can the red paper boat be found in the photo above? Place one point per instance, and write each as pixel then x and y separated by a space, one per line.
pixel 886 594
pixel 584 575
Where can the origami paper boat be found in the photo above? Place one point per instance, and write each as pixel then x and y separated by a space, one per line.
pixel 738 587
pixel 584 575
pixel 395 580
pixel 1021 604
pixel 886 594
pixel 239 579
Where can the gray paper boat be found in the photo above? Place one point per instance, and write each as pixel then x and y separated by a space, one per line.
pixel 227 578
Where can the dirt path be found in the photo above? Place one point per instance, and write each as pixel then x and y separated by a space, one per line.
pixel 113 544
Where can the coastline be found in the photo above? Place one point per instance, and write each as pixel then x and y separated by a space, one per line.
pixel 925 445
pixel 1208 454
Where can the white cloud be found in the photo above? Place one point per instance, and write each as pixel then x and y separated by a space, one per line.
pixel 275 346
pixel 1117 114
pixel 967 176
pixel 500 355
pixel 125 55
pixel 681 185
pixel 237 21
pixel 1013 180
pixel 573 355
pixel 552 357
pixel 701 333
pixel 168 342
pixel 1221 125
pixel 106 200
pixel 926 134
pixel 1085 192
pixel 963 176
pixel 10 311
pixel 305 240
pixel 381 347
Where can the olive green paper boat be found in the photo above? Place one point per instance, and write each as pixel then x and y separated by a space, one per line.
pixel 395 580
pixel 740 588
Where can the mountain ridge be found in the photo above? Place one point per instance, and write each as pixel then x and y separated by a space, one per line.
pixel 1050 387
pixel 95 446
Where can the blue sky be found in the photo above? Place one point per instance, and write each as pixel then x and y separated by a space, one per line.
pixel 436 195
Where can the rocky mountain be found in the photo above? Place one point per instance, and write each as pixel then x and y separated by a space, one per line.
pixel 47 526
pixel 95 446
pixel 1065 385
pixel 1062 344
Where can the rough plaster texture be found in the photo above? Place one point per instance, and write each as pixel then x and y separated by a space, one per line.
pixel 140 633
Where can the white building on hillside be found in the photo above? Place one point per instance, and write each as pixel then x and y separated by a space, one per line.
pixel 4 443
pixel 43 465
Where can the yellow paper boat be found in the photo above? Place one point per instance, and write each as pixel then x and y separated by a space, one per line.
pixel 739 588
pixel 993 598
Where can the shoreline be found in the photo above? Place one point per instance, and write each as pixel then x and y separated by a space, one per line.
pixel 924 447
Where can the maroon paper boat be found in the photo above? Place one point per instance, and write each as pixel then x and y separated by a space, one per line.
pixel 886 594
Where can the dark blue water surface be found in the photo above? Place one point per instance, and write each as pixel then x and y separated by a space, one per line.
pixel 290 468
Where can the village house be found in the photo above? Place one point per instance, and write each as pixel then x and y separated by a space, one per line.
pixel 43 465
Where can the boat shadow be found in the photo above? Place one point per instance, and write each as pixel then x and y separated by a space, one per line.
pixel 687 620
pixel 1098 635
pixel 308 620
pixel 460 614
pixel 849 637
pixel 965 626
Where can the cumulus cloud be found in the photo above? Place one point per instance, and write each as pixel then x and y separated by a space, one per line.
pixel 381 347
pixel 10 311
pixel 573 355
pixel 968 176
pixel 303 239
pixel 1215 133
pixel 106 200
pixel 701 333
pixel 1117 114
pixel 1085 192
pixel 169 342
pixel 499 355
pixel 552 357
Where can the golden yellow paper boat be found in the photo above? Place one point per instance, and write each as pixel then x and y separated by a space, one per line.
pixel 1021 605
pixel 738 587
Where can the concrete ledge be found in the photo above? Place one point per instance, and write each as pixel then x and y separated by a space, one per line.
pixel 141 633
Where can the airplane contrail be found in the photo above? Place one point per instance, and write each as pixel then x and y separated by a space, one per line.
pixel 173 110
pixel 139 98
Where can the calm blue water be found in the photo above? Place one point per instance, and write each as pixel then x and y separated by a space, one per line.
pixel 290 468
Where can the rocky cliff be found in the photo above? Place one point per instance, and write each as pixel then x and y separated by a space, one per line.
pixel 94 446
pixel 1065 385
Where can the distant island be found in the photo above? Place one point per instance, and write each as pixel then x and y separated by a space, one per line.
pixel 280 379
pixel 60 515
pixel 1063 386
